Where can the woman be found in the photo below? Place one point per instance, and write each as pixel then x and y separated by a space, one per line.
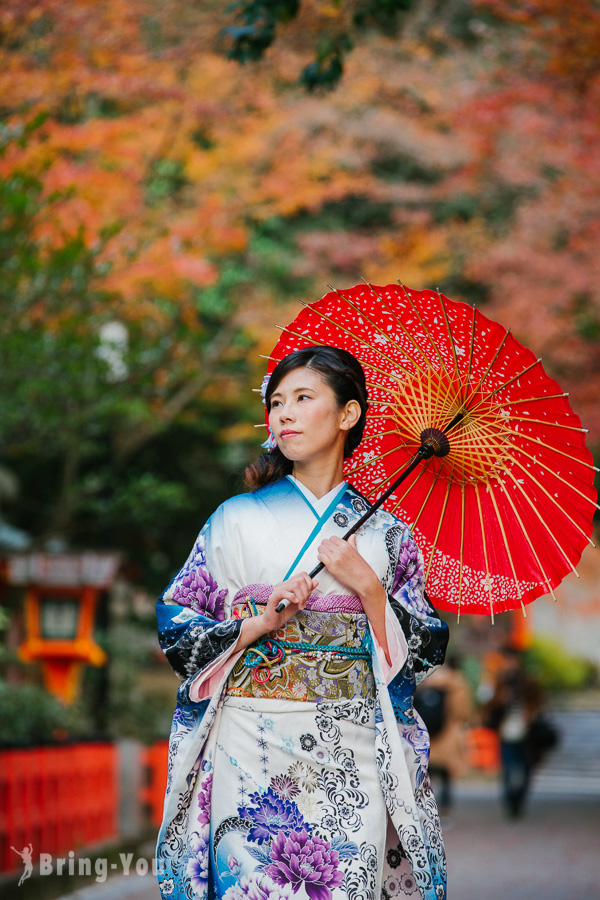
pixel 297 767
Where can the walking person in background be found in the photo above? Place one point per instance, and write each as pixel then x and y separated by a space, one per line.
pixel 512 711
pixel 445 705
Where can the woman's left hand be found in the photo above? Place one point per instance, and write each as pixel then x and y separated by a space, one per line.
pixel 347 566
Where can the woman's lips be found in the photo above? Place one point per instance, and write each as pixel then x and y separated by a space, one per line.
pixel 288 434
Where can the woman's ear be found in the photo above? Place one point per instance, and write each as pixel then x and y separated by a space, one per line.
pixel 350 415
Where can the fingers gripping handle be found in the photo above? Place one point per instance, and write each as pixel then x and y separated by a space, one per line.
pixel 284 603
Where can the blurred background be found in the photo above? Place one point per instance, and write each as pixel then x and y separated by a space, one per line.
pixel 174 176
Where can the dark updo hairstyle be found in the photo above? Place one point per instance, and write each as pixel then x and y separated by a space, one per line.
pixel 344 375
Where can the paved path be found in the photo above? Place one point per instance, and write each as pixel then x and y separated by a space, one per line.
pixel 551 854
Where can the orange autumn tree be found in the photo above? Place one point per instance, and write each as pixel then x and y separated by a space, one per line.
pixel 534 131
pixel 138 160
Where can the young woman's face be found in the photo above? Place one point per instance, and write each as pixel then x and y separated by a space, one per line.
pixel 305 418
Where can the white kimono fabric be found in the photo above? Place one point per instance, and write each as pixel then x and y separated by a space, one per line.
pixel 298 769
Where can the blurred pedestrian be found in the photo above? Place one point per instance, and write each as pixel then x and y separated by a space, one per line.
pixel 513 711
pixel 444 703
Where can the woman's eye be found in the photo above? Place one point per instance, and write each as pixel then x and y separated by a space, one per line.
pixel 303 397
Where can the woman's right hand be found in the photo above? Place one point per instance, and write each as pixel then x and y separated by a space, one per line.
pixel 296 589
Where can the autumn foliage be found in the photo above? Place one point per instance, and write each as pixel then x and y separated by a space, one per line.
pixel 185 197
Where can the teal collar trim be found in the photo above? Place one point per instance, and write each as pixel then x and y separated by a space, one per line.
pixel 304 497
pixel 320 522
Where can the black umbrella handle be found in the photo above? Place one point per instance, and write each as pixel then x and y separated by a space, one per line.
pixel 435 443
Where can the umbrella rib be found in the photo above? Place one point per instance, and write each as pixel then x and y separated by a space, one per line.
pixel 447 401
pixel 428 495
pixel 544 422
pixel 409 489
pixel 401 415
pixel 398 410
pixel 489 368
pixel 439 527
pixel 311 343
pixel 396 472
pixel 485 556
pixel 527 538
pixel 378 434
pixel 418 403
pixel 462 546
pixel 504 403
pixel 504 385
pixel 504 538
pixel 379 416
pixel 556 475
pixel 452 344
pixel 534 440
pixel 541 518
pixel 352 335
pixel 425 328
pixel 506 547
pixel 376 459
pixel 378 327
pixel 470 366
pixel 554 500
pixel 402 326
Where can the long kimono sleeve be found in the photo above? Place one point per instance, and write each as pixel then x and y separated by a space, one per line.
pixel 425 633
pixel 193 631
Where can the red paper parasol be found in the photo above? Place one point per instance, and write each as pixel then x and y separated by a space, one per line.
pixel 504 515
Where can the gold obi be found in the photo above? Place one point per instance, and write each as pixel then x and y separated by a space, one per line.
pixel 318 656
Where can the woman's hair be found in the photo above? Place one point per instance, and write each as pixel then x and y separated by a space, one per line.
pixel 344 375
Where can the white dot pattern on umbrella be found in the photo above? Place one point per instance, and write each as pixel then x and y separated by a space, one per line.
pixel 506 514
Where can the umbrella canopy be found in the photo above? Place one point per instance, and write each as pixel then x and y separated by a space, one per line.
pixel 505 514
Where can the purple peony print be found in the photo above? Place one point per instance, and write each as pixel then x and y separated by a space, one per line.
pixel 197 867
pixel 409 560
pixel 199 591
pixel 300 860
pixel 258 887
pixel 270 815
pixel 204 793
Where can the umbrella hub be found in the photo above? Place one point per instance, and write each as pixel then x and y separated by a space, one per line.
pixel 434 443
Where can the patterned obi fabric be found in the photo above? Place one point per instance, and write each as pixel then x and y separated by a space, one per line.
pixel 322 654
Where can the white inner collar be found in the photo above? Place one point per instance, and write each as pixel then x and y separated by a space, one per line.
pixel 319 504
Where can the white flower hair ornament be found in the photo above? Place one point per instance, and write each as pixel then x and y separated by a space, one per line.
pixel 270 442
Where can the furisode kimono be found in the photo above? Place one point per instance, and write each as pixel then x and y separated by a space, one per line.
pixel 297 767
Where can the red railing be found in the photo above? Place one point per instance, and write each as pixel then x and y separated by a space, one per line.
pixel 66 798
pixel 155 760
pixel 57 799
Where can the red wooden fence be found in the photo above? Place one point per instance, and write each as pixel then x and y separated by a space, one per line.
pixel 57 799
pixel 153 793
pixel 66 798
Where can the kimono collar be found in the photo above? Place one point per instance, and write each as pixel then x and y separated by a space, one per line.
pixel 318 504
